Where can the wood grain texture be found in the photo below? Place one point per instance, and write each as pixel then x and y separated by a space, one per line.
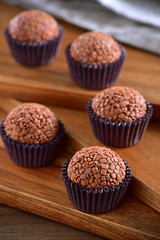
pixel 52 83
pixel 20 225
pixel 143 158
pixel 43 193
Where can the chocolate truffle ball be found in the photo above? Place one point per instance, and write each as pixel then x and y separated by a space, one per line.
pixel 33 26
pixel 31 123
pixel 119 104
pixel 96 48
pixel 96 167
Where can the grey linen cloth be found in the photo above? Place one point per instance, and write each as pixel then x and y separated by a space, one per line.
pixel 134 22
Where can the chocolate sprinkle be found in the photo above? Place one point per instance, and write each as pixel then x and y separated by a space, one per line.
pixel 33 26
pixel 31 123
pixel 96 48
pixel 119 104
pixel 96 167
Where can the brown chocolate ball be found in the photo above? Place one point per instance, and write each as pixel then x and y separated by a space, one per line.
pixel 31 123
pixel 96 167
pixel 33 26
pixel 96 48
pixel 119 104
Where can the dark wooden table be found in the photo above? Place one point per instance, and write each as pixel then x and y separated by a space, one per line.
pixel 19 225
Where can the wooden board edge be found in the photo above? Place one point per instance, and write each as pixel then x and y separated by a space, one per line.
pixel 152 198
pixel 64 215
pixel 45 96
pixel 136 186
pixel 56 97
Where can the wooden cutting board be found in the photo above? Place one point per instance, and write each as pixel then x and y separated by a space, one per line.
pixel 52 83
pixel 41 191
pixel 143 158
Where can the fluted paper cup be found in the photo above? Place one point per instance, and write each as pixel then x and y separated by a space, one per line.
pixel 119 134
pixel 95 200
pixel 34 54
pixel 32 155
pixel 94 76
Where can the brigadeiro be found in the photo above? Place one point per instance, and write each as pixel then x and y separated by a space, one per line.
pixel 96 179
pixel 32 135
pixel 34 38
pixel 119 116
pixel 95 60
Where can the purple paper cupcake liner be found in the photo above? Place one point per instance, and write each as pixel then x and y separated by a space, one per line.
pixel 32 155
pixel 95 77
pixel 95 200
pixel 119 134
pixel 156 113
pixel 34 54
